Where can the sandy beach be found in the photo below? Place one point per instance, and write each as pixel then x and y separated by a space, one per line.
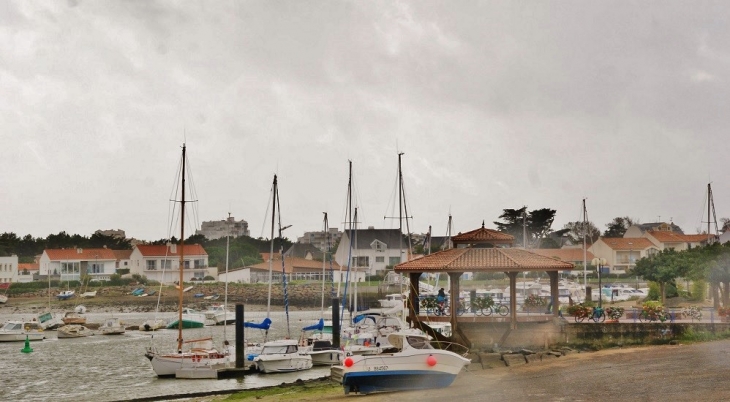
pixel 672 372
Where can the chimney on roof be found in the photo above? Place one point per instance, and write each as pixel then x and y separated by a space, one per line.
pixel 79 250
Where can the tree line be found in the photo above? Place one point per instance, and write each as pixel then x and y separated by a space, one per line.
pixel 242 251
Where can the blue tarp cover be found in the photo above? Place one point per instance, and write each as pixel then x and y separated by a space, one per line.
pixel 316 327
pixel 265 324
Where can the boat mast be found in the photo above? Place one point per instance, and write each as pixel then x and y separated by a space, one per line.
pixel 271 251
pixel 350 238
pixel 225 297
pixel 585 253
pixel 182 256
pixel 324 258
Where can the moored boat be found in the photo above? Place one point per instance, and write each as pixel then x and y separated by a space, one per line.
pixel 190 319
pixel 198 353
pixel 217 314
pixel 73 317
pixel 282 356
pixel 16 331
pixel 65 295
pixel 73 331
pixel 112 326
pixel 153 325
pixel 411 363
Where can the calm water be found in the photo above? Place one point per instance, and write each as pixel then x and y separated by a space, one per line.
pixel 111 368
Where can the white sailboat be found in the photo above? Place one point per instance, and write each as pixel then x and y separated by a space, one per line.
pixel 193 354
pixel 281 355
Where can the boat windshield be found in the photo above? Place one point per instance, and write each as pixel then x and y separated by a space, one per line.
pixel 11 326
pixel 278 349
pixel 418 342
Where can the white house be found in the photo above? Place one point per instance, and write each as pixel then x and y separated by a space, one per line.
pixel 70 263
pixel 8 269
pixel 162 262
pixel 372 251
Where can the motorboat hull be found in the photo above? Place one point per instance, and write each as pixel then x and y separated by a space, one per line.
pixel 282 363
pixel 73 331
pixel 327 357
pixel 187 324
pixel 153 325
pixel 166 365
pixel 369 382
pixel 413 364
pixel 20 336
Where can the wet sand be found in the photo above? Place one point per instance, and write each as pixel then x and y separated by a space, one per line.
pixel 696 372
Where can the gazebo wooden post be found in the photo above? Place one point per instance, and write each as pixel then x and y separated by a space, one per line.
pixel 454 296
pixel 554 295
pixel 512 299
pixel 413 298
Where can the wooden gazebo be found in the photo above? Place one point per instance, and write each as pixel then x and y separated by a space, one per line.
pixel 482 250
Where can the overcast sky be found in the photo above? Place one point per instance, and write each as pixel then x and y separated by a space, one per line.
pixel 495 105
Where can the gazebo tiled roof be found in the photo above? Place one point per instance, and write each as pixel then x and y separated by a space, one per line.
pixel 484 260
pixel 483 235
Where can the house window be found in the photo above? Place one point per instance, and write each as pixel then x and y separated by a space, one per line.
pixel 393 260
pixel 199 263
pixel 97 268
pixel 199 275
pixel 166 264
pixel 361 261
pixel 380 259
pixel 151 265
pixel 70 267
pixel 186 265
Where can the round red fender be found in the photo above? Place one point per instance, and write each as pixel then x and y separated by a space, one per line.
pixel 348 362
pixel 430 360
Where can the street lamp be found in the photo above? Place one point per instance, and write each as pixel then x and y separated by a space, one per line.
pixel 599 262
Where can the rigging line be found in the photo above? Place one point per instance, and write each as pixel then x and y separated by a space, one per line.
pixel 193 192
pixel 266 214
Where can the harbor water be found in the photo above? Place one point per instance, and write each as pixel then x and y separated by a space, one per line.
pixel 113 367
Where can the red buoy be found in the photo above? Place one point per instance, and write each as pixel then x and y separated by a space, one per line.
pixel 431 361
pixel 348 362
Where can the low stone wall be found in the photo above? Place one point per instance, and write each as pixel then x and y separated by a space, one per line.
pixel 560 332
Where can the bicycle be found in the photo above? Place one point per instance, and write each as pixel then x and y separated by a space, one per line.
pixel 596 314
pixel 661 316
pixel 694 312
pixel 498 308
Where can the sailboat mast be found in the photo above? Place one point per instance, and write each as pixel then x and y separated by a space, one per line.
pixel 271 251
pixel 324 257
pixel 182 258
pixel 225 297
pixel 585 254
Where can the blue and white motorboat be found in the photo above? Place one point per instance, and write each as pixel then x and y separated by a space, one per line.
pixel 65 295
pixel 410 363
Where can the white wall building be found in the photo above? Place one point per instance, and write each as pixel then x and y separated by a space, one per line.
pixel 162 263
pixel 8 269
pixel 71 263
pixel 372 250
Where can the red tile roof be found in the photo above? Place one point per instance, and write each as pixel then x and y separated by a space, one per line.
pixel 673 237
pixel 627 243
pixel 293 264
pixel 483 259
pixel 122 254
pixel 483 235
pixel 164 251
pixel 80 254
pixel 30 267
pixel 564 254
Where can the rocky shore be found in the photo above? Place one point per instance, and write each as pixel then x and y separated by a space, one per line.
pixel 120 299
